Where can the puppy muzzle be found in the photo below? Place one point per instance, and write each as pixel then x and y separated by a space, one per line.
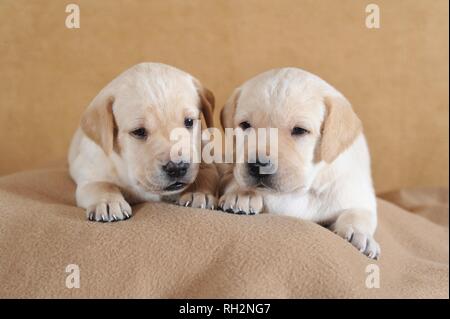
pixel 176 173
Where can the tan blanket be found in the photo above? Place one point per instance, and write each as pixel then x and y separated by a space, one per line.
pixel 166 251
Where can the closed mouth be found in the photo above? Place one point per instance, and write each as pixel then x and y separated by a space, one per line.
pixel 261 185
pixel 175 186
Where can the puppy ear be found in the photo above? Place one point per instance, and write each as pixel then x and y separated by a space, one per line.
pixel 228 110
pixel 98 124
pixel 340 129
pixel 207 103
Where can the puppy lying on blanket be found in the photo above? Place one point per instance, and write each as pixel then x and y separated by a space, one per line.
pixel 322 167
pixel 120 155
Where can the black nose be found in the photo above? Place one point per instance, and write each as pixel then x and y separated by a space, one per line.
pixel 254 169
pixel 176 169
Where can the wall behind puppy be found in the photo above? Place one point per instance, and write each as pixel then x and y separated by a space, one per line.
pixel 396 76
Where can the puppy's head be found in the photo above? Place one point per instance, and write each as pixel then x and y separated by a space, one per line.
pixel 132 120
pixel 315 124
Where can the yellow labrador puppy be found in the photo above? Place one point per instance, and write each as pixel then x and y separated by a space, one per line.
pixel 121 154
pixel 322 165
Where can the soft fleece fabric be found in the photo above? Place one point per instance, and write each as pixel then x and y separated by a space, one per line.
pixel 166 251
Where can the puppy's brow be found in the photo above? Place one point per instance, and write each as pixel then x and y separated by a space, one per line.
pixel 193 112
pixel 139 121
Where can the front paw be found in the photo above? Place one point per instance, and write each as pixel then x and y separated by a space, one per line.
pixel 365 243
pixel 109 211
pixel 241 202
pixel 197 200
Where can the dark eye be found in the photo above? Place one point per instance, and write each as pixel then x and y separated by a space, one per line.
pixel 140 133
pixel 299 131
pixel 188 122
pixel 245 125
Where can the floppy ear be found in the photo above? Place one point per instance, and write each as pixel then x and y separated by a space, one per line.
pixel 98 123
pixel 340 129
pixel 228 110
pixel 207 103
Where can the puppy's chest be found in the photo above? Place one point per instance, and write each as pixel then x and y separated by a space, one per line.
pixel 307 206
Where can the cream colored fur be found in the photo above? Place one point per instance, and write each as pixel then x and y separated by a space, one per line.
pixel 324 175
pixel 113 169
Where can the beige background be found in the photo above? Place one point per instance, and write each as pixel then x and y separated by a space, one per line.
pixel 396 77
